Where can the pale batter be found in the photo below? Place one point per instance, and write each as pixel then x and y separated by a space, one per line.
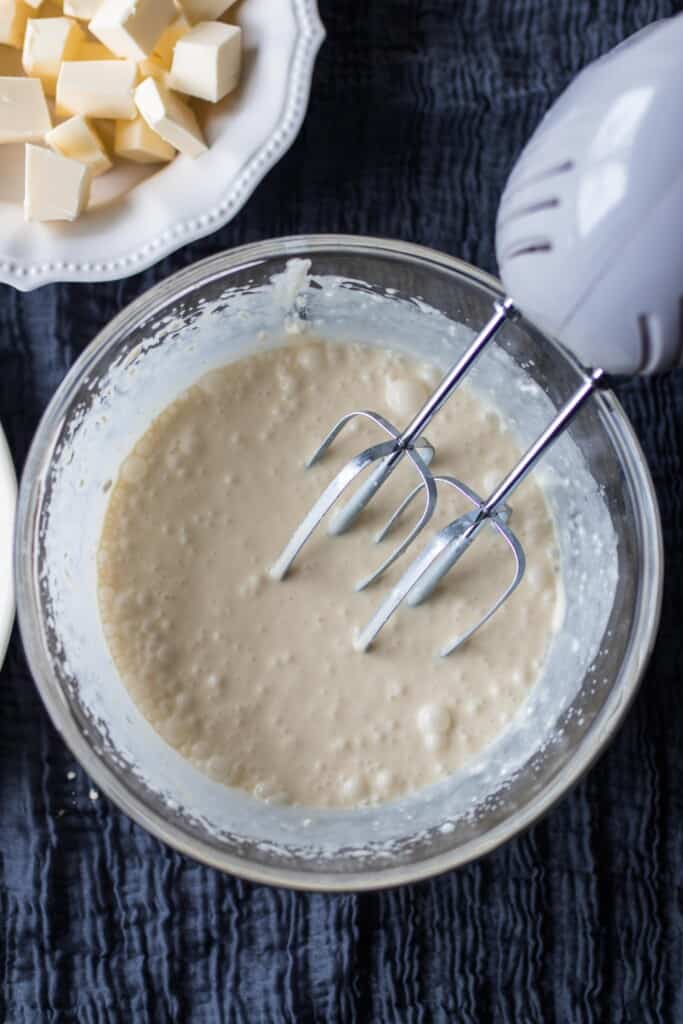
pixel 257 682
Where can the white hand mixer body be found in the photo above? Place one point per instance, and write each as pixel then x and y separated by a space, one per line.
pixel 589 242
pixel 589 238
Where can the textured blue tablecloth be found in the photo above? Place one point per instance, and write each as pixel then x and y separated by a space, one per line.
pixel 419 108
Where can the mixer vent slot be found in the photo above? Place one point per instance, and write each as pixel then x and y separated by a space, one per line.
pixel 523 211
pixel 549 172
pixel 529 247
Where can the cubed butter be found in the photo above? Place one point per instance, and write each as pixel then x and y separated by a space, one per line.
pixel 47 43
pixel 163 50
pixel 204 10
pixel 24 116
pixel 136 141
pixel 168 115
pixel 13 17
pixel 76 138
pixel 97 88
pixel 83 9
pixel 207 61
pixel 57 188
pixel 92 50
pixel 131 28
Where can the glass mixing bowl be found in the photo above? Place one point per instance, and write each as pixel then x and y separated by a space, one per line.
pixel 384 293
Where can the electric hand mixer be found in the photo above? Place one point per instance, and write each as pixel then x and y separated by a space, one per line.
pixel 589 242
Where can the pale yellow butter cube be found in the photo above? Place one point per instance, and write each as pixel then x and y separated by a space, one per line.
pixel 136 141
pixel 24 115
pixel 83 9
pixel 76 138
pixel 56 188
pixel 97 88
pixel 168 115
pixel 131 28
pixel 13 17
pixel 47 44
pixel 207 61
pixel 163 51
pixel 204 10
pixel 92 50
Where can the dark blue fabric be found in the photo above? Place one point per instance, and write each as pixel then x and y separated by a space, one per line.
pixel 419 108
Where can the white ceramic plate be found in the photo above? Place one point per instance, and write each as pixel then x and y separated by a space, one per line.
pixel 137 216
pixel 8 500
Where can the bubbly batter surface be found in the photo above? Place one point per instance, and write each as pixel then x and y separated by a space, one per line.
pixel 256 682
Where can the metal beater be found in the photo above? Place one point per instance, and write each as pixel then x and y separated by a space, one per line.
pixel 590 241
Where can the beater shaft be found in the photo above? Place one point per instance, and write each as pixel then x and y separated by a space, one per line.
pixel 427 582
pixel 387 456
pixel 347 515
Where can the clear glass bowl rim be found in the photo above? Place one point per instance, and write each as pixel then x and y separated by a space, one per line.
pixel 646 618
